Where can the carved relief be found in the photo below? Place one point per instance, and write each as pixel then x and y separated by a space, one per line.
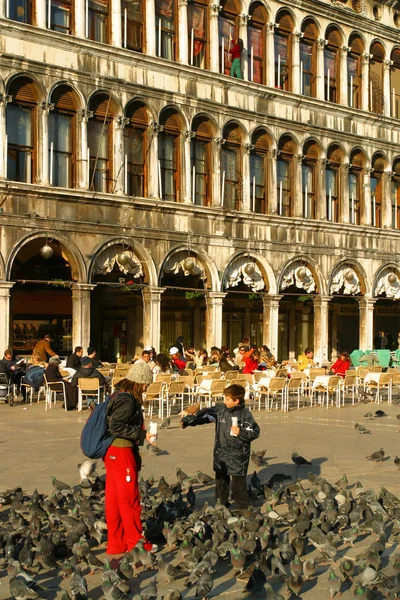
pixel 299 275
pixel 125 259
pixel 345 281
pixel 246 270
pixel 188 265
pixel 389 284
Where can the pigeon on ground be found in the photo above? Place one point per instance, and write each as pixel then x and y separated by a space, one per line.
pixel 256 581
pixel 58 485
pixel 166 423
pixel 361 429
pixel 334 583
pixel 150 591
pixel 309 568
pixel 380 413
pixel 112 591
pixel 397 461
pixel 258 458
pixel 377 456
pixel 87 469
pixel 78 585
pixel 298 460
pixel 204 478
pixel 204 585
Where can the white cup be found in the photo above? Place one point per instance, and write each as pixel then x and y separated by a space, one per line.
pixel 153 432
pixel 234 424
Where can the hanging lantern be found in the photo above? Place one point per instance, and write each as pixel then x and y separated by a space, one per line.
pixel 301 273
pixel 250 269
pixel 124 258
pixel 392 278
pixel 46 251
pixel 349 275
pixel 189 264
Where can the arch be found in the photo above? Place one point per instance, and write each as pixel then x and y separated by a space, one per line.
pixel 213 282
pixel 115 103
pixel 78 266
pixel 259 4
pixel 266 130
pixel 2 268
pixel 309 142
pixel 65 97
pixel 334 150
pixel 283 12
pixel 140 100
pixel 204 124
pixel 39 84
pixel 285 140
pixel 137 111
pixel 311 264
pixel 310 27
pixel 365 284
pixel 261 138
pixel 76 90
pixel 208 117
pixel 330 32
pixel 262 263
pixel 358 157
pixel 386 267
pixel 380 156
pixel 378 49
pixel 174 108
pixel 358 39
pixel 143 254
pixel 231 124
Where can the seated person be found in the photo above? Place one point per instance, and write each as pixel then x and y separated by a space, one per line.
pixel 225 364
pixel 177 359
pixel 92 354
pixel 74 361
pixel 214 356
pixel 252 362
pixel 53 374
pixel 201 358
pixel 144 358
pixel 341 365
pixel 239 359
pixel 14 370
pixel 163 365
pixel 305 360
pixel 87 370
pixel 267 357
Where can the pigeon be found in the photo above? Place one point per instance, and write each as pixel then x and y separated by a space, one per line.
pixel 295 583
pixel 397 461
pixel 166 423
pixel 298 460
pixel 258 458
pixel 204 478
pixel 204 585
pixel 309 568
pixel 361 429
pixel 112 591
pixel 377 456
pixel 334 583
pixel 347 568
pixel 271 595
pixel 172 595
pixel 60 486
pixel 380 413
pixel 361 592
pixel 87 469
pixel 78 585
pixel 256 581
pixel 150 591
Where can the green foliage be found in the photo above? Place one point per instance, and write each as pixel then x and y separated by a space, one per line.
pixel 60 283
pixel 304 298
pixel 254 297
pixel 194 295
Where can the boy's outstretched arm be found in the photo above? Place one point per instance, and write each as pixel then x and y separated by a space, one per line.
pixel 249 429
pixel 207 415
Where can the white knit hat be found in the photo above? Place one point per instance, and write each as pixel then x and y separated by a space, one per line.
pixel 140 372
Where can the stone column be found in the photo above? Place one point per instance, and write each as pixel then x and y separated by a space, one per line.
pixel 187 184
pixel 344 212
pixel 152 316
pixel 366 213
pixel 272 191
pixel 366 316
pixel 80 18
pixel 43 175
pixel 343 87
pixel 387 92
pixel 5 287
pixel 150 12
pixel 320 84
pixel 386 206
pixel 270 322
pixel 183 42
pixel 321 328
pixel 119 155
pixel 81 314
pixel 297 35
pixel 270 56
pixel 4 100
pixel 116 23
pixel 82 175
pixel 321 189
pixel 365 81
pixel 214 37
pixel 246 200
pixel 217 191
pixel 152 167
pixel 245 54
pixel 214 319
pixel 334 353
pixel 298 186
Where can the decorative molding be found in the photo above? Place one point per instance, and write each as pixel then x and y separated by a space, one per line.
pixel 345 281
pixel 121 122
pixel 298 34
pixel 219 142
pixel 86 115
pixel 244 269
pixel 124 258
pixel 5 99
pixel 46 107
pixel 388 283
pixel 189 265
pixel 388 63
pixel 345 49
pixel 299 275
pixel 189 134
pixel 245 17
pixel 248 147
pixel 216 8
pixel 322 42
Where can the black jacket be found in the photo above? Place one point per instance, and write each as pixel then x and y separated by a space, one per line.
pixel 231 454
pixel 74 361
pixel 124 417
pixel 87 372
pixel 5 366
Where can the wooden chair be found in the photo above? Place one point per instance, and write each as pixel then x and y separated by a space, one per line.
pixel 175 391
pixel 104 371
pixel 396 381
pixel 349 384
pixel 295 386
pixel 332 387
pixel 315 372
pixel 282 372
pixel 153 394
pixel 277 386
pixel 216 391
pixel 231 375
pixel 31 390
pixel 375 369
pixel 115 380
pixel 89 386
pixel 258 375
pixel 52 389
pixel 164 377
pixel 190 385
pixel 385 382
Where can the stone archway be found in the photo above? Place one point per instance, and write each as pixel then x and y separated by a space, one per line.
pixel 386 291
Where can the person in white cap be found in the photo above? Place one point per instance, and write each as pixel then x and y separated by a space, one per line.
pixel 177 358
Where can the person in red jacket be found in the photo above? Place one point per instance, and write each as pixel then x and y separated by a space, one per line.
pixel 236 52
pixel 341 365
pixel 252 362
pixel 177 359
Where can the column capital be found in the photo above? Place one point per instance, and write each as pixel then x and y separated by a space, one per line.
pixel 83 287
pixel 215 296
pixel 322 42
pixel 248 147
pixel 367 302
pixel 366 57
pixel 298 35
pixel 120 122
pixel 219 142
pixel 321 299
pixel 153 292
pixel 245 17
pixel 271 299
pixel 345 49
pixel 85 115
pixel 6 285
pixel 46 107
pixel 387 64
pixel 5 99
pixel 156 127
pixel 273 153
pixel 215 9
pixel 271 27
pixel 189 134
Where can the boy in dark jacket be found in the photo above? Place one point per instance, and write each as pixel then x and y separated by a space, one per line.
pixel 235 429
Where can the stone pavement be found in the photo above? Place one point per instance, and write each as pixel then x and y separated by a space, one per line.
pixel 36 444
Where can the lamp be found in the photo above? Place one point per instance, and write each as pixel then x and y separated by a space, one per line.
pixel 123 258
pixel 250 268
pixel 189 264
pixel 349 275
pixel 46 251
pixel 392 278
pixel 301 273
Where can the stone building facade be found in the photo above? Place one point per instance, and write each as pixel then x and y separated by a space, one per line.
pixel 178 200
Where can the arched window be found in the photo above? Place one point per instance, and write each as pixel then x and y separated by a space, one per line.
pixel 198 33
pixel 331 64
pixel 99 21
pixel 376 78
pixel 100 141
pixel 135 147
pixel 283 51
pixel 166 29
pixel 354 81
pixel 61 15
pixel 228 28
pixel 20 10
pixel 308 58
pixel 132 24
pixel 22 130
pixel 376 182
pixel 201 156
pixel 256 42
pixel 62 137
pixel 356 186
pixel 395 83
pixel 333 183
pixel 169 155
pixel 309 179
pixel 258 171
pixel 231 167
pixel 396 195
pixel 285 176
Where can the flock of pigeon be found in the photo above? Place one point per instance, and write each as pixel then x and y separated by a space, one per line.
pixel 294 534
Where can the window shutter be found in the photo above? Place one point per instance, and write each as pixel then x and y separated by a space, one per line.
pixel 377 51
pixel 396 167
pixel 232 134
pixel 64 98
pixel 310 30
pixel 259 14
pixel 396 58
pixel 286 145
pixel 285 22
pixel 357 159
pixel 203 129
pixel 379 164
pixel 99 105
pixel 172 122
pixel 138 115
pixel 23 89
pixel 334 37
pixel 231 6
pixel 335 155
pixel 311 150
pixel 357 45
pixel 261 141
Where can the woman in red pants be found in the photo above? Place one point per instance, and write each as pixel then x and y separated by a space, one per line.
pixel 122 461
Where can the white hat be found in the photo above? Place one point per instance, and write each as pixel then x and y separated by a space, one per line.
pixel 173 350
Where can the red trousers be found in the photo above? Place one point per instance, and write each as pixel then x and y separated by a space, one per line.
pixel 122 500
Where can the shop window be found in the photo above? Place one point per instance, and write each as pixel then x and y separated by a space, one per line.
pixel 285 176
pixel 283 51
pixel 395 84
pixel 354 81
pixel 228 27
pixel 60 15
pixel 169 154
pixel 132 24
pixel 198 34
pixel 356 180
pixel 231 167
pixel 20 10
pixel 309 179
pixel 98 20
pixel 376 78
pixel 308 59
pixel 396 195
pixel 333 184
pixel 256 39
pixel 135 144
pixel 21 126
pixel 62 137
pixel 100 141
pixel 376 183
pixel 258 172
pixel 166 29
pixel 331 65
pixel 200 150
